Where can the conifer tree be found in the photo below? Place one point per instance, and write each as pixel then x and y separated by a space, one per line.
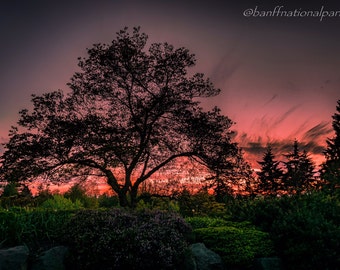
pixel 330 171
pixel 235 177
pixel 299 173
pixel 270 176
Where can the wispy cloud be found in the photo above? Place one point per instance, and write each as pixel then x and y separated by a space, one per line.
pixel 224 69
pixel 319 130
pixel 312 141
pixel 280 119
pixel 271 99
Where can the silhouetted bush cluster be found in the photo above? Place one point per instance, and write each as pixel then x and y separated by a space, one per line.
pixel 308 235
pixel 117 239
pixel 238 246
pixel 304 228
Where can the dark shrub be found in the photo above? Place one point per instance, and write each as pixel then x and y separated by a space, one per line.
pixel 106 201
pixel 238 247
pixel 308 236
pixel 305 228
pixel 199 204
pixel 35 228
pixel 117 239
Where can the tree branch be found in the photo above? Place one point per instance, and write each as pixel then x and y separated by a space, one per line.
pixel 162 164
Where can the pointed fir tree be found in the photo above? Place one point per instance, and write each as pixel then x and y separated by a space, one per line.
pixel 269 178
pixel 299 173
pixel 330 171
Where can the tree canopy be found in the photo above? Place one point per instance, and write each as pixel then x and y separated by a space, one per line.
pixel 132 110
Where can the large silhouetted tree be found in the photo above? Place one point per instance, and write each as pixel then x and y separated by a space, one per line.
pixel 270 175
pixel 330 171
pixel 131 111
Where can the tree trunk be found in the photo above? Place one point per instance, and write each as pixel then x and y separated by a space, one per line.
pixel 133 196
pixel 123 199
pixel 121 192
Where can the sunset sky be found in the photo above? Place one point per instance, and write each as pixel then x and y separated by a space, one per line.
pixel 279 76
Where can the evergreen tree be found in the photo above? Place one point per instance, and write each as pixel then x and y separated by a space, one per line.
pixel 235 176
pixel 299 175
pixel 330 171
pixel 269 178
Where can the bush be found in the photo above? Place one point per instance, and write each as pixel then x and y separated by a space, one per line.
pixel 106 201
pixel 78 194
pixel 147 201
pixel 205 222
pixel 58 202
pixel 308 236
pixel 200 204
pixel 35 228
pixel 304 228
pixel 238 247
pixel 117 239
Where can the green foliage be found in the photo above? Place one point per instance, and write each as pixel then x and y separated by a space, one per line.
pixel 117 239
pixel 308 236
pixel 200 204
pixel 14 195
pixel 205 222
pixel 106 201
pixel 78 194
pixel 261 211
pixel 238 247
pixel 59 202
pixel 304 228
pixel 15 201
pixel 43 195
pixel 147 201
pixel 11 189
pixel 34 228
